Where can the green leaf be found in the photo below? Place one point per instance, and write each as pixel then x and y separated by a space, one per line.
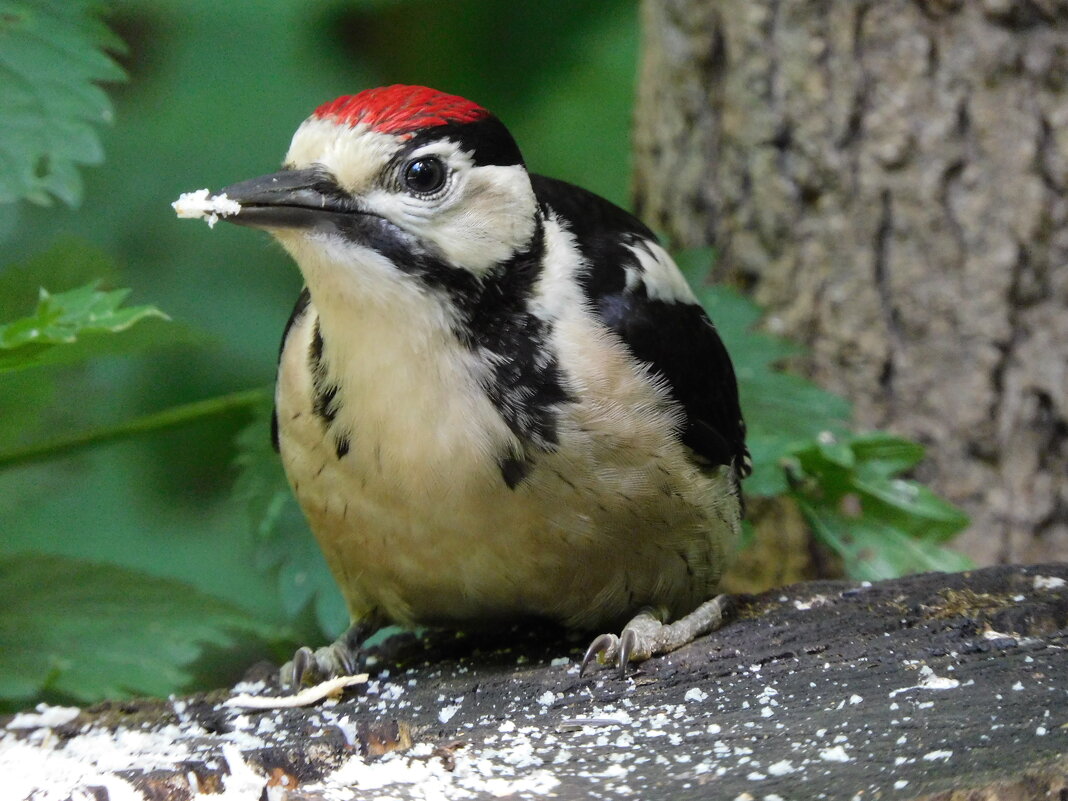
pixel 874 550
pixel 51 58
pixel 913 507
pixel 882 525
pixel 77 316
pixel 286 546
pixel 69 262
pixel 86 631
pixel 886 454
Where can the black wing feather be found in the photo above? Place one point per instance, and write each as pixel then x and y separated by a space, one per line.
pixel 676 339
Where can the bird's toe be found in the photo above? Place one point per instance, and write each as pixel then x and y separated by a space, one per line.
pixel 603 648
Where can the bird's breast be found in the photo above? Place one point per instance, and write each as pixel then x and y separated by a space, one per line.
pixel 416 514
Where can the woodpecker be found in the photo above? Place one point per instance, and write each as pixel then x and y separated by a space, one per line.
pixel 497 397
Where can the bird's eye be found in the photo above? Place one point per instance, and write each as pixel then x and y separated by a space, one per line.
pixel 425 175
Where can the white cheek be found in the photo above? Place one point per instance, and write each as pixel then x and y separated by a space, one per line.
pixel 488 215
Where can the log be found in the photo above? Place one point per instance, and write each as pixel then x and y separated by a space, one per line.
pixel 933 686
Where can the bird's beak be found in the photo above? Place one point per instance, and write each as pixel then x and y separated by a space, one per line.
pixel 288 199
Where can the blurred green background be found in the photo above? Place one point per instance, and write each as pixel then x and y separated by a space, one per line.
pixel 214 93
pixel 157 565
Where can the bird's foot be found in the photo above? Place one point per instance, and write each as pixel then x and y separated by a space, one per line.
pixel 340 658
pixel 647 635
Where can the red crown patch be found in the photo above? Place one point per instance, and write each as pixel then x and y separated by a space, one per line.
pixel 400 109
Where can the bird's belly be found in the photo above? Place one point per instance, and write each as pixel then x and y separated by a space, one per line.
pixel 425 550
pixel 401 481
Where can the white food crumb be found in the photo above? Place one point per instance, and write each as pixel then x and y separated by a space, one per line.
pixel 1049 582
pixel 546 698
pixel 1018 686
pixel 559 661
pixel 781 768
pixel 446 712
pixel 306 697
pixel 45 717
pixel 199 205
pixel 1040 731
pixel 835 754
pixel 249 687
pixel 855 699
pixel 695 694
pixel 933 755
pixel 930 681
pixel 901 784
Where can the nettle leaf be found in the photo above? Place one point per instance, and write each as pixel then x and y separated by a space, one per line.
pixel 51 58
pixel 85 631
pixel 286 546
pixel 881 525
pixel 69 262
pixel 873 549
pixel 66 327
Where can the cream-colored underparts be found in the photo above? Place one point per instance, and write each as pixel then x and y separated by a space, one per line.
pixel 416 520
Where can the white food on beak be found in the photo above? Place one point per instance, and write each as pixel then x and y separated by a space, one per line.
pixel 199 206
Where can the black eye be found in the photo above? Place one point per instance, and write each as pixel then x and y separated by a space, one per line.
pixel 425 175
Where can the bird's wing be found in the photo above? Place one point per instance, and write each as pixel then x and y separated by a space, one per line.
pixel 639 293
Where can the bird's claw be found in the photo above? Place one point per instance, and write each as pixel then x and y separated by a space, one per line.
pixel 628 644
pixel 309 667
pixel 607 648
pixel 604 649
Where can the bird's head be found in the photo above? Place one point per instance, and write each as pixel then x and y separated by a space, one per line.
pixel 401 179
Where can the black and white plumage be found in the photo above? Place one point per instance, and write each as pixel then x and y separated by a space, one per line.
pixel 497 397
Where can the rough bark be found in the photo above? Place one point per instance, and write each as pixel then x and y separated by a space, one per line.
pixel 889 179
pixel 935 686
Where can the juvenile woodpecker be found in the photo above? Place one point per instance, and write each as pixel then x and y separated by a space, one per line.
pixel 497 396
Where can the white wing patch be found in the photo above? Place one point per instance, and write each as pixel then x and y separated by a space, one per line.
pixel 662 278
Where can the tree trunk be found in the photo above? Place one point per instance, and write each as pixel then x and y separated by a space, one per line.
pixel 888 177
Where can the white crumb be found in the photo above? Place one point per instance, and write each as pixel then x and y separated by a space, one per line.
pixel 834 754
pixel 200 205
pixel 45 717
pixel 446 712
pixel 306 697
pixel 781 768
pixel 929 681
pixel 1049 582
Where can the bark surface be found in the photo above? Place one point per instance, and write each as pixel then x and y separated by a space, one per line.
pixel 933 686
pixel 889 179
